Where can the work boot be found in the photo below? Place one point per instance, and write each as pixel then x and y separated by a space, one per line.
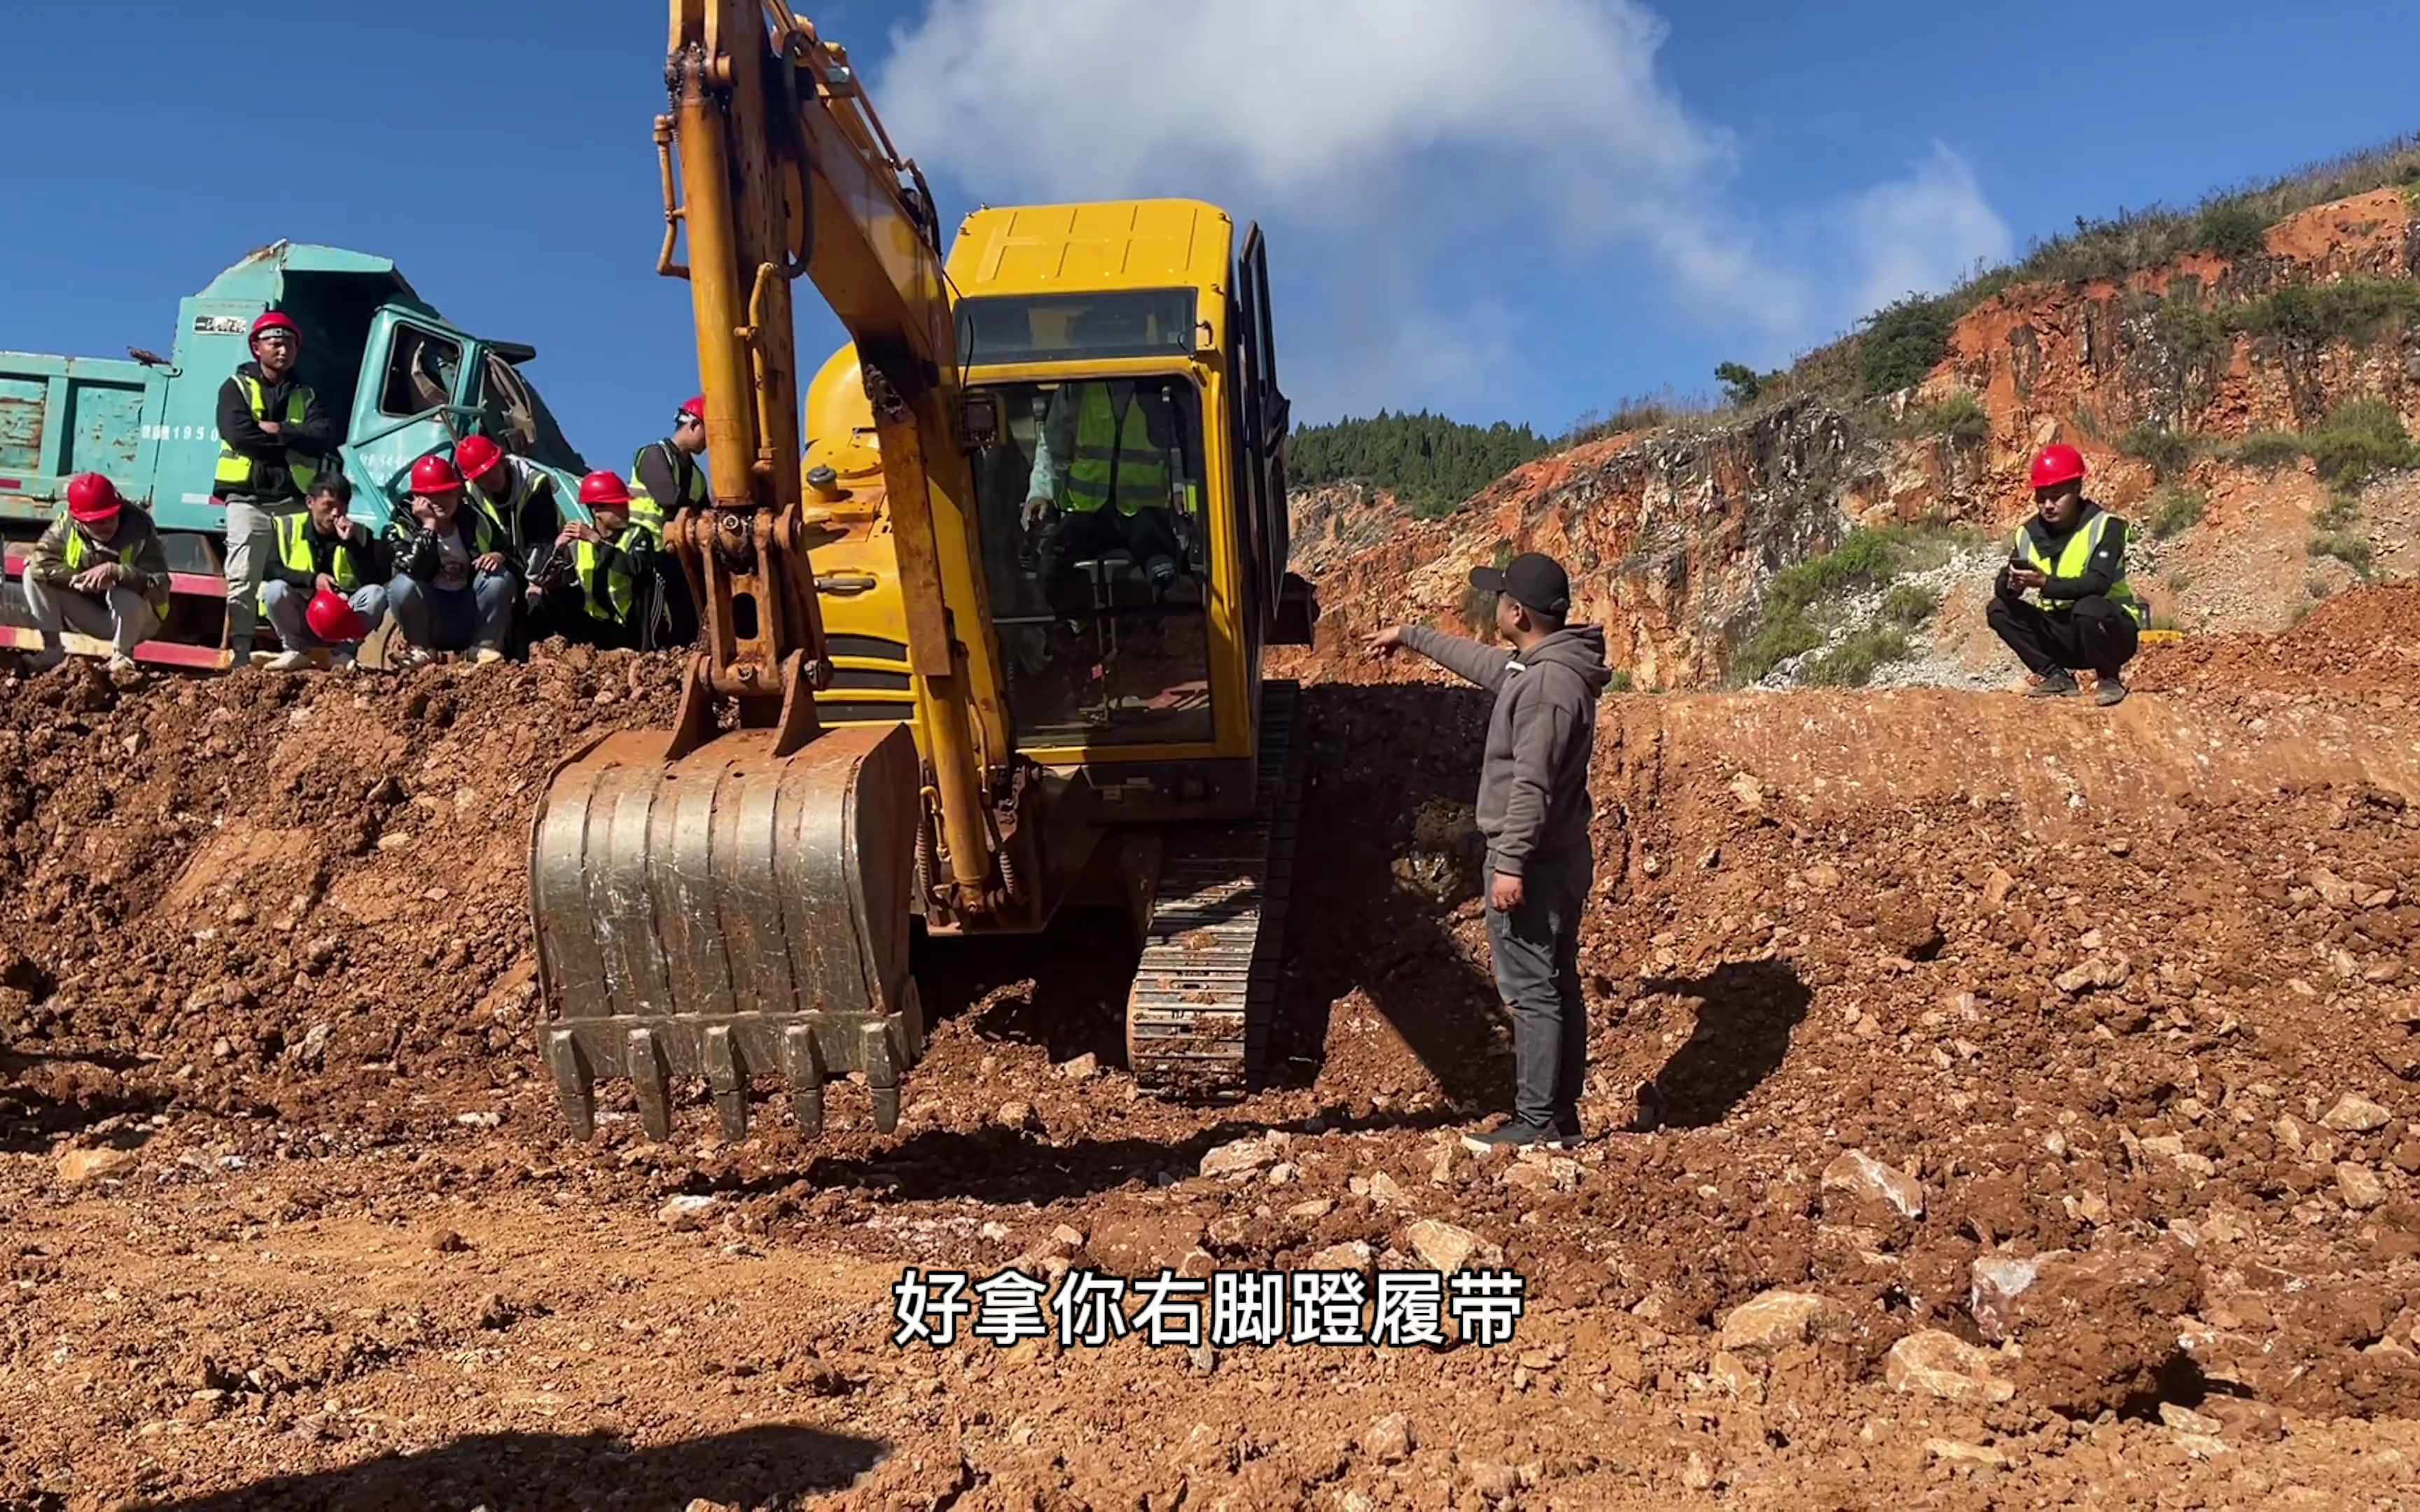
pixel 1511 1134
pixel 2058 682
pixel 2108 691
pixel 290 661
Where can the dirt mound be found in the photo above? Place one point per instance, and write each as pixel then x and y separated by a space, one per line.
pixel 2054 1066
pixel 304 895
pixel 2366 639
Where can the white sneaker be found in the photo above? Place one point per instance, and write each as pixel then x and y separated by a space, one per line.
pixel 123 671
pixel 410 657
pixel 290 661
pixel 487 657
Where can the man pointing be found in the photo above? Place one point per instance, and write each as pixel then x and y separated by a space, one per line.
pixel 1533 808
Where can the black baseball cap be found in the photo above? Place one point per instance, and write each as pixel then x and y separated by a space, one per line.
pixel 1531 579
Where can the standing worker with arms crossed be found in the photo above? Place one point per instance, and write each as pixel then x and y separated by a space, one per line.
pixel 665 477
pixel 273 436
pixel 2071 557
pixel 1533 808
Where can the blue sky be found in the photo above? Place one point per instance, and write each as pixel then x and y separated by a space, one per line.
pixel 1506 209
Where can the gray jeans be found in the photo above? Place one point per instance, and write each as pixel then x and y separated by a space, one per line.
pixel 251 541
pixel 1537 953
pixel 288 605
pixel 126 621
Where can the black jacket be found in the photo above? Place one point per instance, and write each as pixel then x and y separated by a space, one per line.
pixel 372 559
pixel 662 468
pixel 271 483
pixel 416 553
pixel 2105 568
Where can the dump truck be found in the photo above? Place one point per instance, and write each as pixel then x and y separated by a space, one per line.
pixel 404 381
pixel 925 699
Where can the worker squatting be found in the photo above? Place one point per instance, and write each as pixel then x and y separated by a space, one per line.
pixel 481 558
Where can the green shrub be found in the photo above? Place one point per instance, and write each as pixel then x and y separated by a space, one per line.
pixel 2357 307
pixel 2268 450
pixel 2352 550
pixel 1867 557
pixel 2190 332
pixel 1902 342
pixel 1784 634
pixel 2166 451
pixel 2337 514
pixel 1741 383
pixel 1425 505
pixel 1908 606
pixel 2364 437
pixel 2230 228
pixel 1961 417
pixel 1854 662
pixel 1620 682
pixel 2175 511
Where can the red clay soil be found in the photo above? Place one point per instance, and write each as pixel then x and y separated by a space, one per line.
pixel 2367 641
pixel 1932 989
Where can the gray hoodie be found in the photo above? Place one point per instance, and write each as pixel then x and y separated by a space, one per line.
pixel 1533 797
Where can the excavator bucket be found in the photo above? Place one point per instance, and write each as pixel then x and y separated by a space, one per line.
pixel 729 915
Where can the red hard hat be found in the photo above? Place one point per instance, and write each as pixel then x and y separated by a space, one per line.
pixel 2057 464
pixel 476 457
pixel 434 474
pixel 604 488
pixel 333 619
pixel 695 406
pixel 277 320
pixel 92 498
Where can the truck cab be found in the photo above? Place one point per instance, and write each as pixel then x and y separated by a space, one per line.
pixel 402 380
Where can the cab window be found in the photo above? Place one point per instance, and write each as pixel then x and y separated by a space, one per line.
pixel 1097 552
pixel 1155 322
pixel 419 372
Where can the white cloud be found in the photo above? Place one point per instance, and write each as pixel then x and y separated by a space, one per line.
pixel 1922 233
pixel 1522 138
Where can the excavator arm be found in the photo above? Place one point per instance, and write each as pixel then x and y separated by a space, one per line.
pixel 731 898
pixel 789 174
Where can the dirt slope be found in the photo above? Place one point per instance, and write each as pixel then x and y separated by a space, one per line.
pixel 1922 981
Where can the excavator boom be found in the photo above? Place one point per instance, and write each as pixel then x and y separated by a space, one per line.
pixel 730 898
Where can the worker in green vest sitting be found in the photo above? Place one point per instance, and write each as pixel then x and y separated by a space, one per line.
pixel 2071 557
pixel 101 568
pixel 324 550
pixel 599 587
pixel 1106 478
pixel 515 493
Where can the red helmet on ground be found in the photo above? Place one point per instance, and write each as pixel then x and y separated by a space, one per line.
pixel 2057 463
pixel 434 474
pixel 606 489
pixel 277 320
pixel 695 406
pixel 92 498
pixel 478 457
pixel 332 619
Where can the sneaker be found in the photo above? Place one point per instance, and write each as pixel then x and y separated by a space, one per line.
pixel 290 661
pixel 2110 692
pixel 1511 1134
pixel 408 657
pixel 2057 683
pixel 123 671
pixel 258 658
pixel 488 656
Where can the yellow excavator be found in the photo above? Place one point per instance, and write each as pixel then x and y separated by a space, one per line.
pixel 989 648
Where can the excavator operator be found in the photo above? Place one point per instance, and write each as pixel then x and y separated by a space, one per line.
pixel 1107 473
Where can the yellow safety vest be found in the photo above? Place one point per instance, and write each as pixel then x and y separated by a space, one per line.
pixel 507 515
pixel 649 513
pixel 294 551
pixel 235 469
pixel 76 551
pixel 612 588
pixel 1115 457
pixel 2073 558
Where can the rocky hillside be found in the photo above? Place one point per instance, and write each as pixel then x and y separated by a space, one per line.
pixel 2248 409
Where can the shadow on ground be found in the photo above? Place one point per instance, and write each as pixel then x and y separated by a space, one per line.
pixel 530 1472
pixel 1748 1009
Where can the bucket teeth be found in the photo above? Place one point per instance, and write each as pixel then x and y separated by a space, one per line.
pixel 575 1085
pixel 726 1077
pixel 643 1063
pixel 802 1062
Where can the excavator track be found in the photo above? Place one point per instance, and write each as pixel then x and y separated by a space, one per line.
pixel 1205 991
